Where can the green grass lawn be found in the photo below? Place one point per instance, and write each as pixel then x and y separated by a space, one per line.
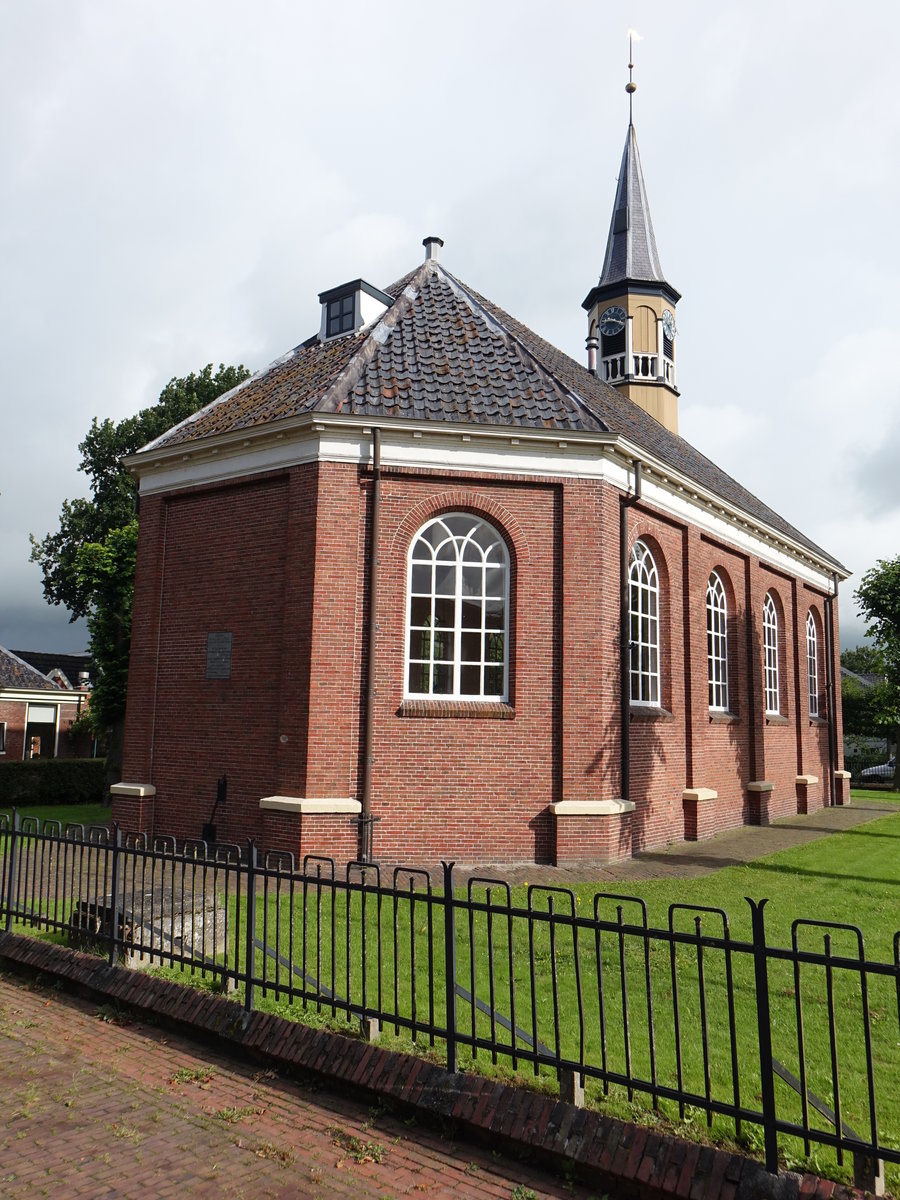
pixel 80 814
pixel 847 878
pixel 875 794
pixel 852 877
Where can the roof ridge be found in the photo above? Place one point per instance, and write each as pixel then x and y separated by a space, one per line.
pixel 542 369
pixel 347 378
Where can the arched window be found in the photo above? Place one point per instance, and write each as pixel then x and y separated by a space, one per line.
pixel 643 595
pixel 812 664
pixel 457 610
pixel 717 642
pixel 770 649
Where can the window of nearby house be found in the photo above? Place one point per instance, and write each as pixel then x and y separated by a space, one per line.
pixel 2 737
pixel 643 593
pixel 812 664
pixel 770 650
pixel 717 642
pixel 340 315
pixel 457 612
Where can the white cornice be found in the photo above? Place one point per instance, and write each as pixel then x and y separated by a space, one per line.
pixel 476 449
pixel 34 696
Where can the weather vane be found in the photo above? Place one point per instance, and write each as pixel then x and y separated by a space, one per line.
pixel 631 86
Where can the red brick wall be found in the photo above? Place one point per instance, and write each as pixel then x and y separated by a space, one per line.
pixel 282 562
pixel 13 714
pixel 474 787
pixel 215 559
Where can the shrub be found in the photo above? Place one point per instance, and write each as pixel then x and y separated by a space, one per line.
pixel 53 781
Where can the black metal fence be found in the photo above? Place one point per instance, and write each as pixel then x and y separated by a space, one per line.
pixel 794 1041
pixel 870 768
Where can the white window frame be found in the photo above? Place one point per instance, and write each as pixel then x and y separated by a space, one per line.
pixel 770 655
pixel 812 664
pixel 643 615
pixel 717 642
pixel 466 544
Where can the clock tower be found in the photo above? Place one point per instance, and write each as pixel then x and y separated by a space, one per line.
pixel 631 312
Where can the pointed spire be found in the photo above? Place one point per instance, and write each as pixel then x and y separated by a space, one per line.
pixel 631 246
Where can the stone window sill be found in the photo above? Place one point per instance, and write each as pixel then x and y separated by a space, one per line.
pixel 649 712
pixel 485 710
pixel 777 719
pixel 717 717
pixel 818 720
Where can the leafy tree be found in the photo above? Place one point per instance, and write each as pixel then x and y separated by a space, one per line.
pixel 106 570
pixel 113 490
pixel 863 660
pixel 879 598
pixel 88 564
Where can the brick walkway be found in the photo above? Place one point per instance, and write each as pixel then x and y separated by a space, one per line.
pixel 687 859
pixel 99 1109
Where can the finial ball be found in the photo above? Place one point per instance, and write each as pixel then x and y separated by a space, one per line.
pixel 630 87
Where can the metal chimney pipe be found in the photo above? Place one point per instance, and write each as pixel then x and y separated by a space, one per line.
pixel 432 248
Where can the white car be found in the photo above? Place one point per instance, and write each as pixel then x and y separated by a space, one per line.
pixel 882 771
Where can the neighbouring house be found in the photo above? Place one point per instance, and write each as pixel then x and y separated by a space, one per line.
pixel 427 587
pixel 39 705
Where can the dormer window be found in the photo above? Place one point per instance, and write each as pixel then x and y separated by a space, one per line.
pixel 351 306
pixel 340 315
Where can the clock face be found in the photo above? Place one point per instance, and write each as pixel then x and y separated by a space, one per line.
pixel 668 319
pixel 613 321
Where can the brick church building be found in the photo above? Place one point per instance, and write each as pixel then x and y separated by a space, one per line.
pixel 426 587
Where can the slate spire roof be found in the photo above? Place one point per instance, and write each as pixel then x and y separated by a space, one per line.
pixel 631 253
pixel 443 353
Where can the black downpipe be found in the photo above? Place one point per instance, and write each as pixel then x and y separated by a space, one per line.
pixel 365 817
pixel 625 503
pixel 830 697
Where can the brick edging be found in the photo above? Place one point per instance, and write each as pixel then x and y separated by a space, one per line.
pixel 635 1161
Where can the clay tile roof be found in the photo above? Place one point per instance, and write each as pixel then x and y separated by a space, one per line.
pixel 442 352
pixel 16 673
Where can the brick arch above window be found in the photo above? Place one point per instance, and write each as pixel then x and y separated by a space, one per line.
pixel 659 558
pixel 464 500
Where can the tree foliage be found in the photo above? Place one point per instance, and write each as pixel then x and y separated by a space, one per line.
pixel 88 563
pixel 112 501
pixel 106 571
pixel 863 660
pixel 879 597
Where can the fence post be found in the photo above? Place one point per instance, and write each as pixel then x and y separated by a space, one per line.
pixel 450 965
pixel 12 854
pixel 115 908
pixel 764 1029
pixel 249 947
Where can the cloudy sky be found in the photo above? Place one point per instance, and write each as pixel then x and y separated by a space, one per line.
pixel 180 180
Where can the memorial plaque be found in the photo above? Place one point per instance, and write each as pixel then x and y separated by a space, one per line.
pixel 218 655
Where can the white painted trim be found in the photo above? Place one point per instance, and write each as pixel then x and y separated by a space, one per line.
pixel 591 808
pixel 326 437
pixel 298 804
pixel 137 790
pixel 190 470
pixel 29 696
pixel 700 793
pixel 761 785
pixel 809 780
